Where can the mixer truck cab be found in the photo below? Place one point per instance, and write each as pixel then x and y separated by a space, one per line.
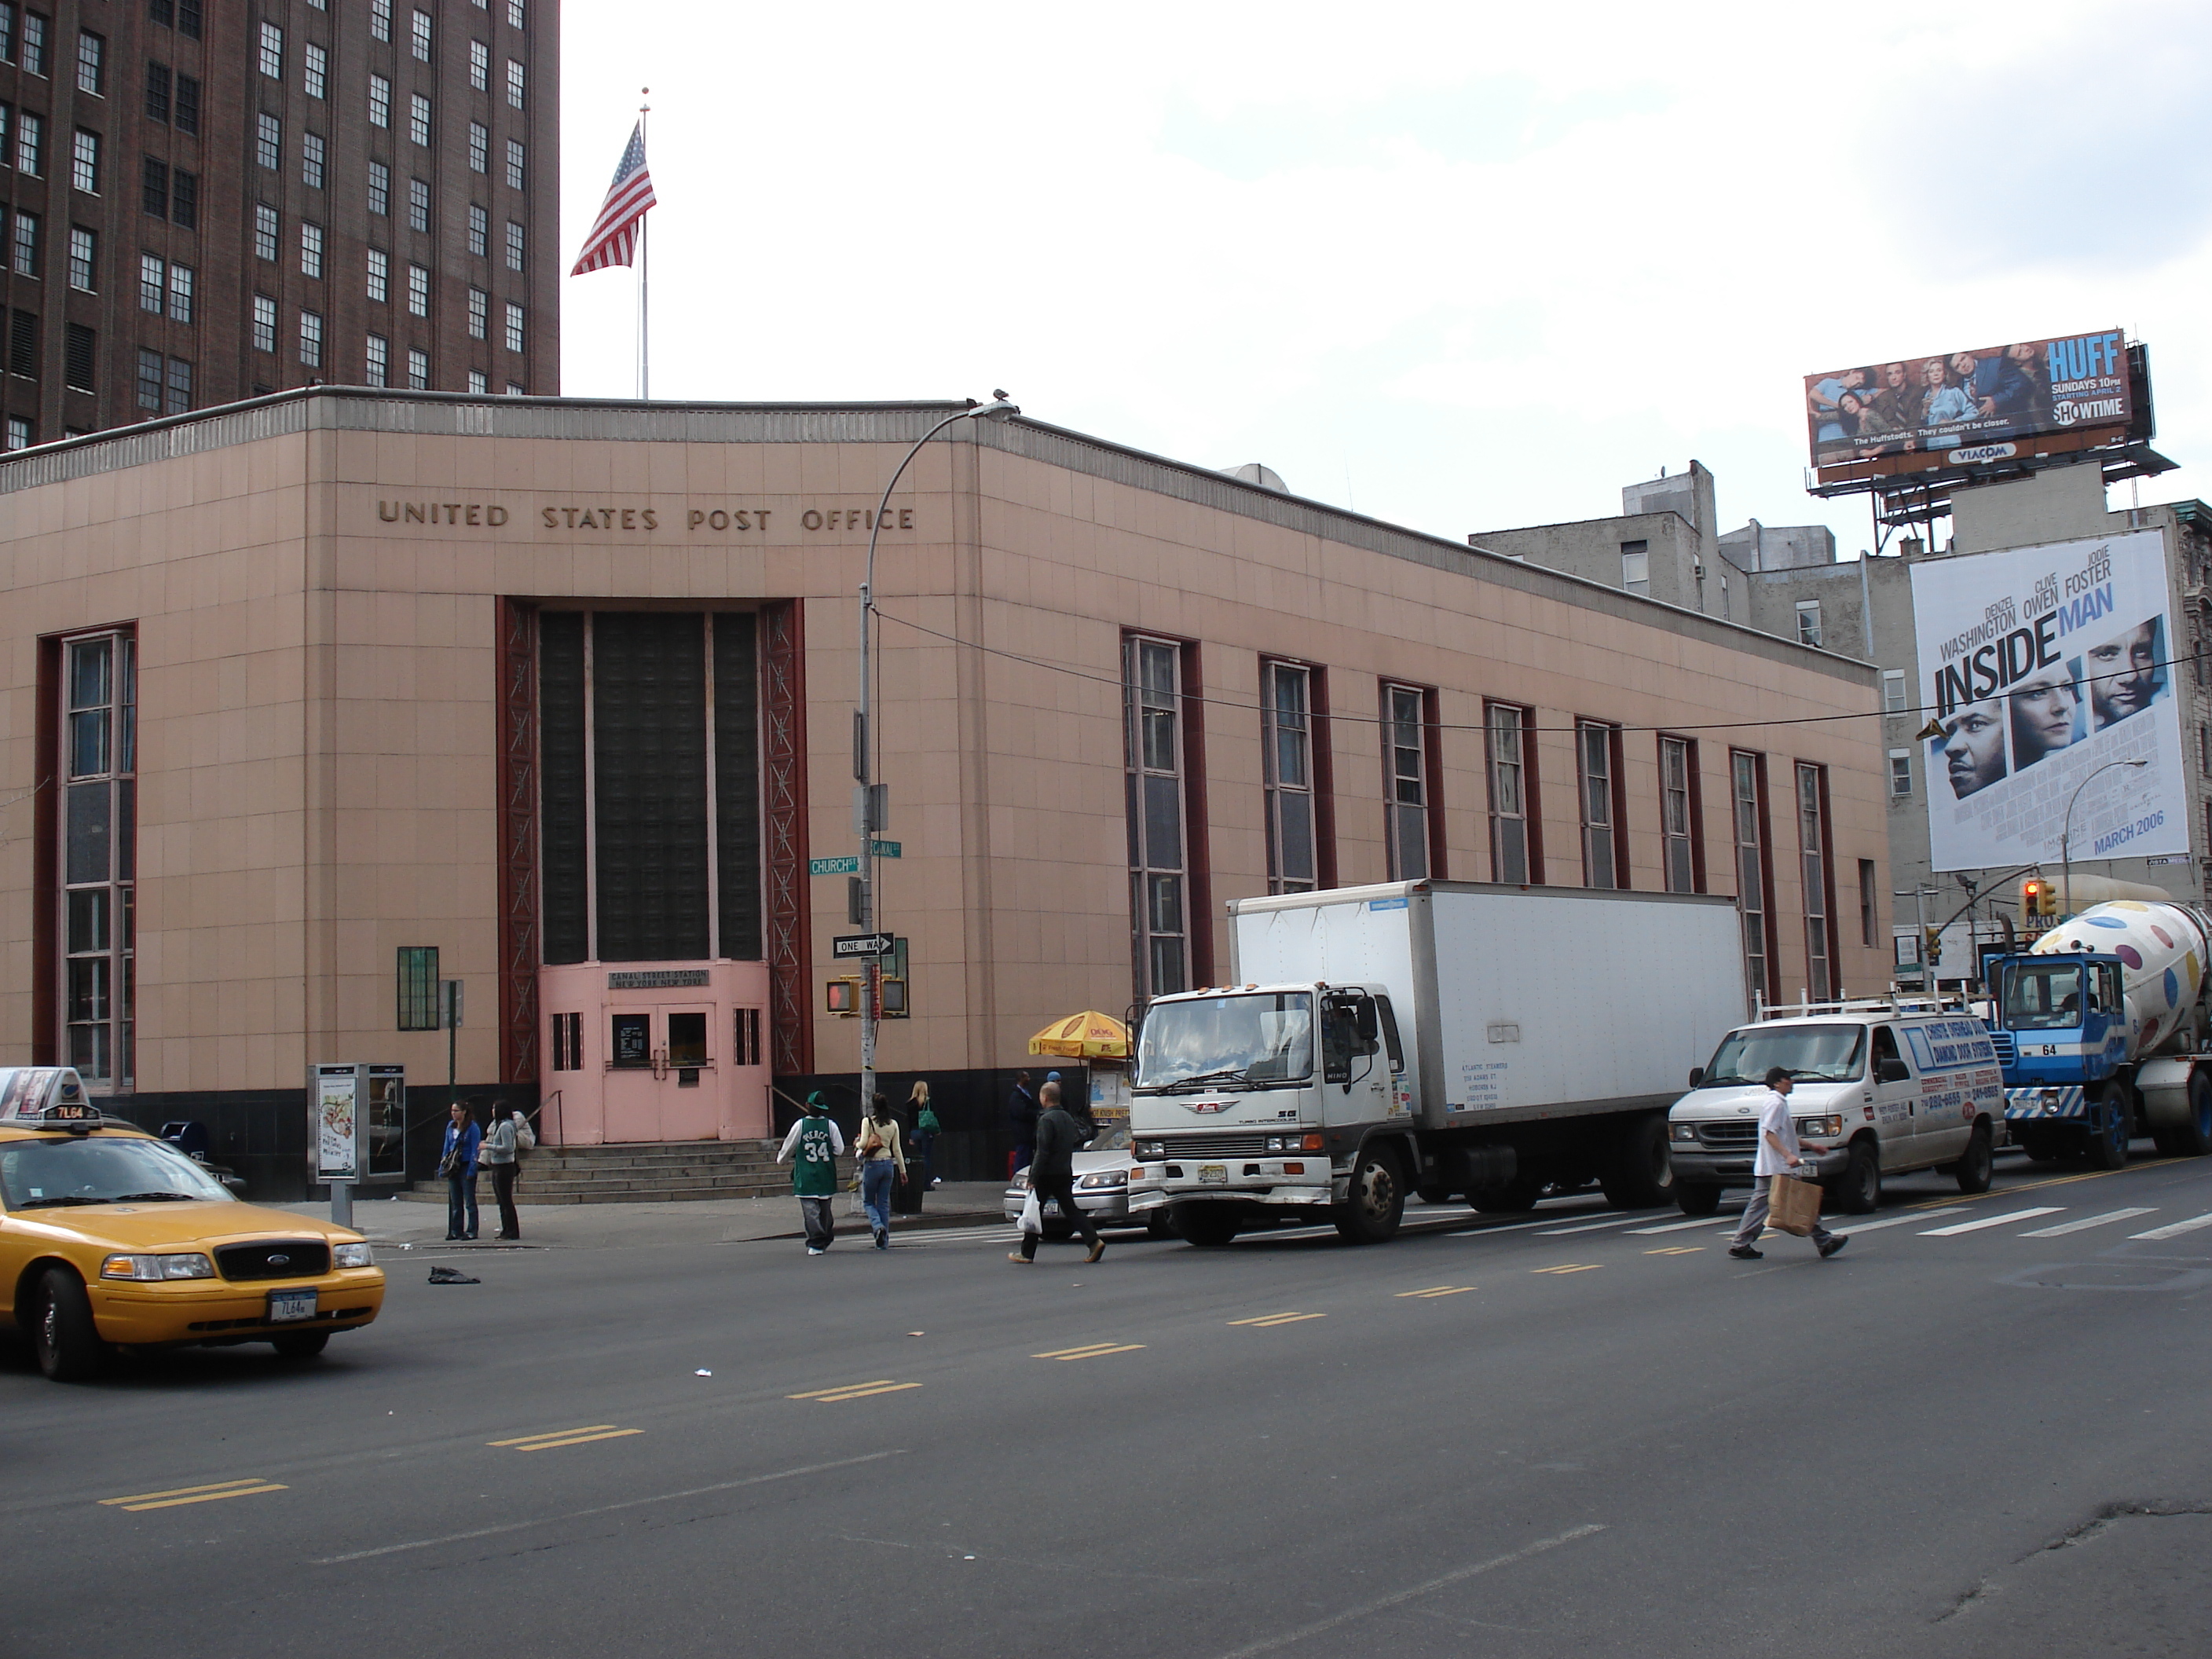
pixel 1877 1089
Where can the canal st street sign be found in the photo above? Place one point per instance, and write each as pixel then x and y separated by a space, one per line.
pixel 861 944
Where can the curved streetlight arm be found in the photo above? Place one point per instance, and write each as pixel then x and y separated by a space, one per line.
pixel 2066 829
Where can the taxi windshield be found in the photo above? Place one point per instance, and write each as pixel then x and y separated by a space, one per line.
pixel 87 1170
pixel 1810 1053
pixel 2042 997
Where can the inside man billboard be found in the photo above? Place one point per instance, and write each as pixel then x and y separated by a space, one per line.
pixel 1962 407
pixel 2042 665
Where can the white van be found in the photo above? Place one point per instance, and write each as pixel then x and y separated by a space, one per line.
pixel 1880 1088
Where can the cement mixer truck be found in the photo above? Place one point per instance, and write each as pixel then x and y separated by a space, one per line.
pixel 2101 1028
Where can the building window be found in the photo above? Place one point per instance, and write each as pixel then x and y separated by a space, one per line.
pixel 268 141
pixel 91 50
pixel 1636 567
pixel 380 19
pixel 379 188
pixel 379 275
pixel 418 988
pixel 1809 622
pixel 1408 787
pixel 479 304
pixel 184 198
pixel 419 38
pixel 514 13
pixel 311 249
pixel 97 810
pixel 180 387
pixel 150 381
pixel 181 293
pixel 317 70
pixel 568 1041
pixel 1748 792
pixel 24 244
pixel 418 371
pixel 33 48
pixel 265 323
pixel 514 164
pixel 418 291
pixel 479 146
pixel 513 84
pixel 1892 691
pixel 513 326
pixel 418 205
pixel 159 85
pixel 23 343
pixel 1286 738
pixel 313 151
pixel 515 390
pixel 31 144
pixel 155 187
pixel 479 231
pixel 479 66
pixel 84 163
pixel 1680 827
pixel 83 259
pixel 379 101
pixel 1866 907
pixel 272 52
pixel 152 283
pixel 1513 857
pixel 1157 810
pixel 513 246
pixel 1604 862
pixel 80 356
pixel 1813 846
pixel 311 340
pixel 19 432
pixel 1901 772
pixel 264 231
pixel 477 382
pixel 418 119
pixel 379 359
pixel 188 103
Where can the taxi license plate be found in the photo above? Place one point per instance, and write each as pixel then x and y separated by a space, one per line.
pixel 285 1305
pixel 1214 1175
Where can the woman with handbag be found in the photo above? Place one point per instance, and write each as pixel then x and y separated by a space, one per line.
pixel 456 1163
pixel 926 1131
pixel 881 1157
pixel 501 1148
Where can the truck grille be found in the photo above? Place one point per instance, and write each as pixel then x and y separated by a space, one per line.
pixel 2007 1051
pixel 285 1258
pixel 1214 1146
pixel 1730 1136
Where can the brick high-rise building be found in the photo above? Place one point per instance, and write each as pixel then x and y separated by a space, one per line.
pixel 203 200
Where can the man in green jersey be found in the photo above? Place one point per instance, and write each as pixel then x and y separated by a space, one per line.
pixel 815 1142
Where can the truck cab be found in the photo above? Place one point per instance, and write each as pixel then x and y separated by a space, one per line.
pixel 2057 1019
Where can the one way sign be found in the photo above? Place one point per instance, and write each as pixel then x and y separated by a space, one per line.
pixel 861 944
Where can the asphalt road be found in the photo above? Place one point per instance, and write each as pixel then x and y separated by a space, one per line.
pixel 1583 1433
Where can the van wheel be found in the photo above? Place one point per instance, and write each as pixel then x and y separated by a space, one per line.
pixel 1376 1201
pixel 1206 1226
pixel 300 1345
pixel 63 1335
pixel 1636 1174
pixel 1859 1192
pixel 1697 1197
pixel 1513 1198
pixel 2108 1127
pixel 1973 1170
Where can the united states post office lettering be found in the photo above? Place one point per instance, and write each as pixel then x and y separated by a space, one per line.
pixel 481 513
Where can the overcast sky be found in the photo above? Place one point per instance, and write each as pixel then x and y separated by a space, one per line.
pixel 1458 266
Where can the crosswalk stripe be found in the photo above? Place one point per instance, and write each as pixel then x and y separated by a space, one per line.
pixel 1976 1226
pixel 2176 1229
pixel 1587 1227
pixel 2088 1222
pixel 1679 1227
pixel 1857 1227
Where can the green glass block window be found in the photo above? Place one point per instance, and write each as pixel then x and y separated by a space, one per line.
pixel 418 988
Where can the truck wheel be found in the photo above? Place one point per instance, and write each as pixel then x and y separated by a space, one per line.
pixel 1206 1226
pixel 1513 1198
pixel 1697 1197
pixel 2194 1138
pixel 1859 1192
pixel 2108 1136
pixel 1636 1174
pixel 1375 1201
pixel 300 1345
pixel 1973 1170
pixel 63 1335
pixel 1433 1194
pixel 2040 1147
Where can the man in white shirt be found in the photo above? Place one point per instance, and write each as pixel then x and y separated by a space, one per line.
pixel 1778 1154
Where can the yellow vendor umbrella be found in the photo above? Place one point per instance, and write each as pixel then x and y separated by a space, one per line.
pixel 1087 1035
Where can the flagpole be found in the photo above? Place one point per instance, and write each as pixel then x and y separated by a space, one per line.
pixel 644 331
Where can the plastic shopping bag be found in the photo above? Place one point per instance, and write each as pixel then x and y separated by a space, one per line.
pixel 1032 1215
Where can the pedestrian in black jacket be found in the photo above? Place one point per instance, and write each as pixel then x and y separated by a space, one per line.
pixel 1052 1175
pixel 1021 1110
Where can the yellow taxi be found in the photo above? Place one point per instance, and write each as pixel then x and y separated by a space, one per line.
pixel 110 1237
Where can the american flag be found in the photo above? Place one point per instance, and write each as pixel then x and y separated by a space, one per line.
pixel 613 240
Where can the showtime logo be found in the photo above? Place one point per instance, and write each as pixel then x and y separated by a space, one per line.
pixel 2094 409
pixel 1981 452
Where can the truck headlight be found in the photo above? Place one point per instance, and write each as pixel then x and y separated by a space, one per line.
pixel 1682 1132
pixel 189 1264
pixel 1149 1149
pixel 1823 1126
pixel 352 1256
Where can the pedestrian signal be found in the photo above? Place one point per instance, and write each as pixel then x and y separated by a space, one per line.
pixel 843 996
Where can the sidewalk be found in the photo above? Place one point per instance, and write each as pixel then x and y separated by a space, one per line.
pixel 624 1226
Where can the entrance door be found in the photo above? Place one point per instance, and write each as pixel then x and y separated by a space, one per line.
pixel 689 1090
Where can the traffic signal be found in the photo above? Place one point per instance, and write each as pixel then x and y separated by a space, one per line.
pixel 1933 951
pixel 2037 897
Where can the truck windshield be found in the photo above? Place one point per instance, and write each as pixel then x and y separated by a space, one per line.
pixel 1231 1041
pixel 2042 996
pixel 1810 1053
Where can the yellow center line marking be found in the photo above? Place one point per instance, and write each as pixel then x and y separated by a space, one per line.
pixel 550 1434
pixel 576 1440
pixel 1278 1319
pixel 1437 1290
pixel 1676 1249
pixel 1568 1267
pixel 1095 1351
pixel 171 1499
pixel 853 1391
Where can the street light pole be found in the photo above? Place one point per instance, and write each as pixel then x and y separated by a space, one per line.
pixel 2066 829
pixel 867 803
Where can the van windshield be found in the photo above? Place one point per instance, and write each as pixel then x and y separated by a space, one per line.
pixel 2043 996
pixel 1810 1053
pixel 1257 1041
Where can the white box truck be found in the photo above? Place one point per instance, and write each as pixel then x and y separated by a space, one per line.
pixel 1431 1038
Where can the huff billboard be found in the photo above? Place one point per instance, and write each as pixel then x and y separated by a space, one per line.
pixel 1963 408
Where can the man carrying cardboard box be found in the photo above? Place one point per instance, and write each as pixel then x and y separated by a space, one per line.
pixel 1777 1155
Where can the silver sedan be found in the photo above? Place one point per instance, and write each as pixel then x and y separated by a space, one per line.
pixel 1102 1188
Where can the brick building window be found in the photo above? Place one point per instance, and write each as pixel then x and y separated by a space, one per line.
pixel 91 67
pixel 272 52
pixel 154 186
pixel 1158 813
pixel 150 381
pixel 184 198
pixel 479 66
pixel 83 259
pixel 317 70
pixel 513 84
pixel 477 382
pixel 514 13
pixel 514 174
pixel 188 104
pixel 152 283
pixel 479 146
pixel 180 387
pixel 311 339
pixel 160 91
pixel 379 188
pixel 480 230
pixel 19 432
pixel 84 161
pixel 1287 758
pixel 379 275
pixel 265 323
pixel 479 304
pixel 513 326
pixel 418 291
pixel 380 19
pixel 95 831
pixel 418 119
pixel 1408 790
pixel 265 226
pixel 23 243
pixel 268 141
pixel 80 356
pixel 418 205
pixel 513 246
pixel 313 152
pixel 1604 861
pixel 1514 857
pixel 1812 849
pixel 378 359
pixel 1681 829
pixel 311 249
pixel 379 101
pixel 1748 798
pixel 31 144
pixel 418 371
pixel 419 37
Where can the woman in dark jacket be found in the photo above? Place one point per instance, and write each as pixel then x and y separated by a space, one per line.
pixel 456 1162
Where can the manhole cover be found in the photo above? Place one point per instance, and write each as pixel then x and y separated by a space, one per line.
pixel 2111 1276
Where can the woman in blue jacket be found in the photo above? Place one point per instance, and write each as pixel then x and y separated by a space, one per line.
pixel 456 1162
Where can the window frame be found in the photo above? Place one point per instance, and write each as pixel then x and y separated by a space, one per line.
pixel 1690 836
pixel 1151 712
pixel 1523 771
pixel 1817 876
pixel 1599 742
pixel 1399 815
pixel 1900 777
pixel 1809 610
pixel 1754 882
pixel 99 1001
